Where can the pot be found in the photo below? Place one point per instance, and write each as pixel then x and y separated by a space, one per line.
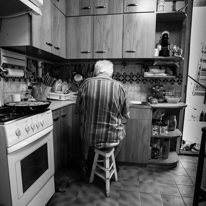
pixel 28 105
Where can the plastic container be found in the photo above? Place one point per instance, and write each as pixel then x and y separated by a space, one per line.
pixel 160 5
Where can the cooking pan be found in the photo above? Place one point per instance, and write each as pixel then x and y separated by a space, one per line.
pixel 28 105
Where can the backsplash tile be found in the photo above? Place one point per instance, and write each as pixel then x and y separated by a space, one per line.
pixel 130 74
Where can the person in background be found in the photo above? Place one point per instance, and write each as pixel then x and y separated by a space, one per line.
pixel 102 107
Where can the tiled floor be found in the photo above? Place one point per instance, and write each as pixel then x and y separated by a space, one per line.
pixel 138 186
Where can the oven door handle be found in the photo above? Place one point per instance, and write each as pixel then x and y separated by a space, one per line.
pixel 29 140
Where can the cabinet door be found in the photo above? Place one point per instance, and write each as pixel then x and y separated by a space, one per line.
pixel 13 35
pixel 139 5
pixel 135 148
pixel 139 35
pixel 108 6
pixel 41 28
pixel 79 7
pixel 79 37
pixel 108 36
pixel 76 140
pixel 58 33
pixel 65 136
pixel 57 139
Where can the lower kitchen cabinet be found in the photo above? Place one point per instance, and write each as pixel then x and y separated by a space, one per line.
pixel 136 144
pixel 74 133
pixel 61 136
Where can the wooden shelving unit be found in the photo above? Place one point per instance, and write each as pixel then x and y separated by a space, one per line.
pixel 173 158
pixel 171 134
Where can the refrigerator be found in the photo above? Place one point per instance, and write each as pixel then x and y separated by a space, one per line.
pixel 195 112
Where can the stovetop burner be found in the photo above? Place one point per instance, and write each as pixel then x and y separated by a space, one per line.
pixel 7 114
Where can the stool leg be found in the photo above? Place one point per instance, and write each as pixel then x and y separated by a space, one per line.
pixel 94 167
pixel 107 177
pixel 115 168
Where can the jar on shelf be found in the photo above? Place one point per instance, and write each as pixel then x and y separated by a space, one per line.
pixel 160 5
pixel 163 129
pixel 172 123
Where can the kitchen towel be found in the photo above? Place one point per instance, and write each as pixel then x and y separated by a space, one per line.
pixel 13 73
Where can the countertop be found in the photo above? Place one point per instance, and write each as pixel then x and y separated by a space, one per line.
pixel 56 104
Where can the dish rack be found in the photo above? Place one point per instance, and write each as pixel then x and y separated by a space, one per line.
pixel 57 96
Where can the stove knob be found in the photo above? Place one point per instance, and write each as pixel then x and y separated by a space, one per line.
pixel 33 126
pixel 42 122
pixel 18 132
pixel 37 125
pixel 27 128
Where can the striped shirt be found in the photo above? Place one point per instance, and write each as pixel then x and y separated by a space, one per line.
pixel 101 105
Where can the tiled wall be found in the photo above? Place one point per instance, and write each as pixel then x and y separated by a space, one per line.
pixel 130 74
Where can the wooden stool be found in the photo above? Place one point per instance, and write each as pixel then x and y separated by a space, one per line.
pixel 108 169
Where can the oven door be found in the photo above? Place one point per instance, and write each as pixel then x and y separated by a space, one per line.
pixel 31 165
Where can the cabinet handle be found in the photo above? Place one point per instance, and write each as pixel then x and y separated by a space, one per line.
pixel 131 4
pixel 56 47
pixel 85 52
pixel 55 119
pixel 64 115
pixel 86 7
pixel 100 52
pixel 49 44
pixel 130 51
pixel 100 7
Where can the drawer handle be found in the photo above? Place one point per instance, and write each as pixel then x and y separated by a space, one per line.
pixel 100 7
pixel 130 51
pixel 85 52
pixel 131 4
pixel 100 52
pixel 86 7
pixel 56 47
pixel 49 44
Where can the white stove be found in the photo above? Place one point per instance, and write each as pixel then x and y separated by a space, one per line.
pixel 27 162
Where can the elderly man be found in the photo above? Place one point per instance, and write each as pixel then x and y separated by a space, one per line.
pixel 102 106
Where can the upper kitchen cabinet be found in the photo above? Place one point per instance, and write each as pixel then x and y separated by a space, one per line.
pixel 108 32
pixel 139 35
pixel 79 7
pixel 108 6
pixel 93 7
pixel 61 5
pixel 42 28
pixel 94 36
pixel 139 6
pixel 46 32
pixel 59 34
pixel 80 37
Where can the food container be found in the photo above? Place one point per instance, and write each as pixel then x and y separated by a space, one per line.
pixel 172 99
